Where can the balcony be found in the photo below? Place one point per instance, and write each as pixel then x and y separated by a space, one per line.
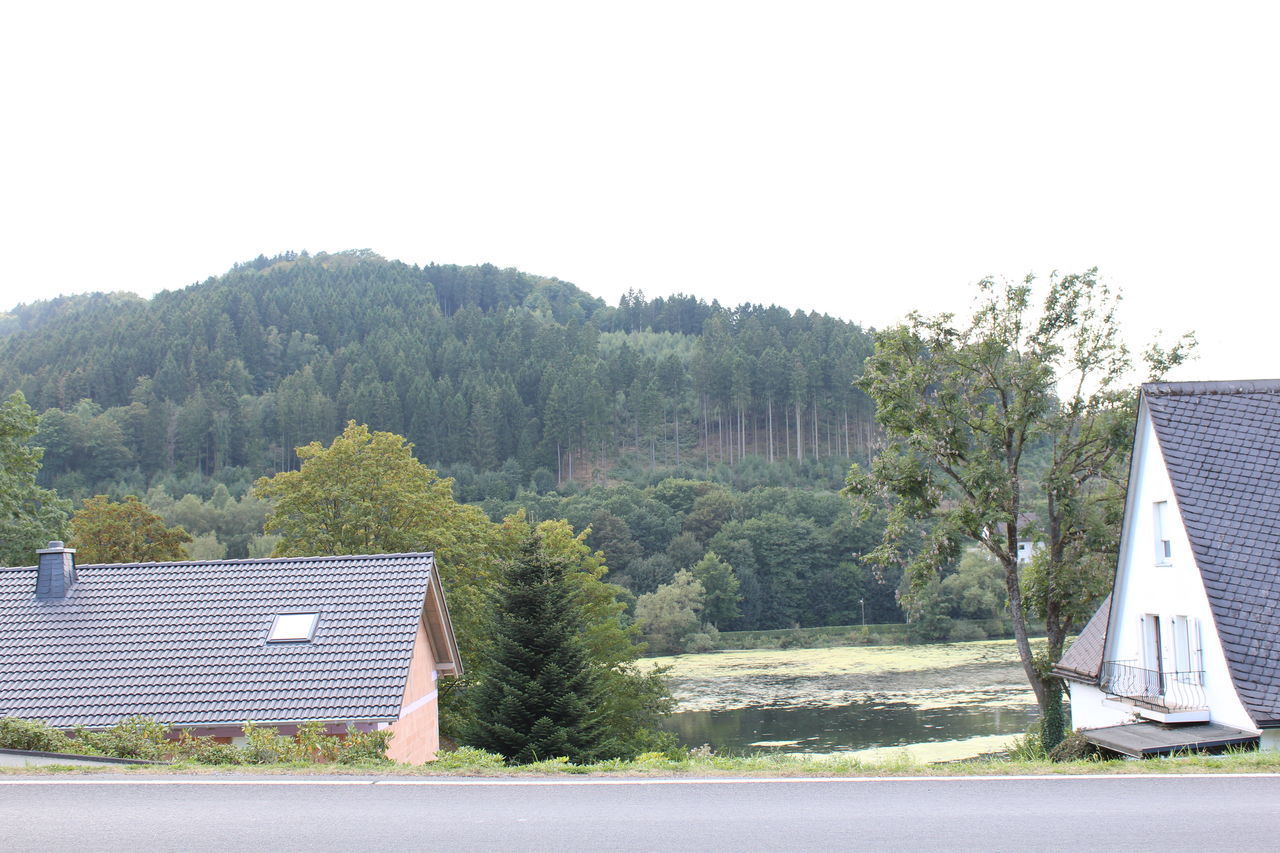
pixel 1169 697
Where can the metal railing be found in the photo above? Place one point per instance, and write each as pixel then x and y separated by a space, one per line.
pixel 1154 688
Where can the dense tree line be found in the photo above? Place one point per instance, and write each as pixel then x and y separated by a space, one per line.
pixel 490 369
pixel 529 393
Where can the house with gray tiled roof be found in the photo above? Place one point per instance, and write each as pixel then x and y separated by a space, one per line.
pixel 1190 635
pixel 355 642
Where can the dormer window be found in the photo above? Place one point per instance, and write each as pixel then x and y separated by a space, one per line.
pixel 293 627
pixel 1164 548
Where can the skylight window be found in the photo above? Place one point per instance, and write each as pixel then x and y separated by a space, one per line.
pixel 292 627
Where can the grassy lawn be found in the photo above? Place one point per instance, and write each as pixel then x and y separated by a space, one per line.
pixel 469 765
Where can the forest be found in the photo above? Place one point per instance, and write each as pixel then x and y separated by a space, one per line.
pixel 670 426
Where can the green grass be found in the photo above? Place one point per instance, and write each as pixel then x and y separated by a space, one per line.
pixel 474 764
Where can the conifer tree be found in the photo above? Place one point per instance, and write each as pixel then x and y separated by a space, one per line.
pixel 539 697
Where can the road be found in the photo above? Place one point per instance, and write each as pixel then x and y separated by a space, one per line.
pixel 85 813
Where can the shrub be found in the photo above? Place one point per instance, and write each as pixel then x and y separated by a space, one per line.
pixel 133 737
pixel 1029 747
pixel 965 632
pixel 205 750
pixel 467 757
pixel 1074 747
pixel 265 745
pixel 312 744
pixel 706 640
pixel 32 735
pixel 363 747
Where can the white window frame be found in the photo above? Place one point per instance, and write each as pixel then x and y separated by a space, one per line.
pixel 1163 543
pixel 295 627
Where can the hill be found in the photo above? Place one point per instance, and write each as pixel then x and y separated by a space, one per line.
pixel 484 369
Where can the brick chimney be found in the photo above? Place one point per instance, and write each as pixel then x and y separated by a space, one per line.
pixel 57 571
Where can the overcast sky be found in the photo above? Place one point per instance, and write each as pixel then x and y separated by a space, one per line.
pixel 860 159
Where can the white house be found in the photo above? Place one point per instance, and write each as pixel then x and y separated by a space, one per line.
pixel 1186 650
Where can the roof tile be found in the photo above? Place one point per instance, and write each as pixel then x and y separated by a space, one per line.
pixel 185 643
pixel 1221 444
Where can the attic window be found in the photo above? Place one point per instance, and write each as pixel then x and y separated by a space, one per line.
pixel 1164 547
pixel 292 627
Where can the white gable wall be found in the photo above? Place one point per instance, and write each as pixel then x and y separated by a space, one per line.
pixel 1147 584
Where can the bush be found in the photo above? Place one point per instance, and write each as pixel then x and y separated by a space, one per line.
pixel 966 632
pixel 31 735
pixel 265 745
pixel 144 738
pixel 205 750
pixel 364 747
pixel 1075 748
pixel 133 737
pixel 706 640
pixel 468 757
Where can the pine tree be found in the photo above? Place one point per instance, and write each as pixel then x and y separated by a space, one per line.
pixel 539 697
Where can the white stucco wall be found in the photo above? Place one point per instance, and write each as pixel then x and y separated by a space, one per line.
pixel 1091 709
pixel 1168 588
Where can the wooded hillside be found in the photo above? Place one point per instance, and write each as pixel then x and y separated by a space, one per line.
pixel 486 370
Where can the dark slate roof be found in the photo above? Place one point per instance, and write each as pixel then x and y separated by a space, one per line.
pixel 185 643
pixel 1083 661
pixel 1221 444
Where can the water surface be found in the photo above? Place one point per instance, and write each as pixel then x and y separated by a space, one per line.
pixel 859 725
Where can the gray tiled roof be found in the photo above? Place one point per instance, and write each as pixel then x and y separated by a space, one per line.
pixel 185 643
pixel 1221 444
pixel 1083 661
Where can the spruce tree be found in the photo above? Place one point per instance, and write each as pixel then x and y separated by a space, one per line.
pixel 539 697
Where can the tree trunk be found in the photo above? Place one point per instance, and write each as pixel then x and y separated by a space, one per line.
pixel 771 429
pixel 677 414
pixel 816 446
pixel 799 434
pixel 1019 618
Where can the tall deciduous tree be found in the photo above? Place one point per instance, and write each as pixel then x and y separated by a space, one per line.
pixel 366 494
pixel 104 531
pixel 722 589
pixel 29 515
pixel 963 405
pixel 671 614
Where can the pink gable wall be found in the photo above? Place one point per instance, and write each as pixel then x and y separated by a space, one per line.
pixel 417 732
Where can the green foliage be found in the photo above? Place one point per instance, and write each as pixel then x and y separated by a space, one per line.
pixel 468 757
pixel 631 699
pixel 966 407
pixel 1054 722
pixel 103 531
pixel 721 589
pixel 1074 747
pixel 220 522
pixel 148 740
pixel 539 692
pixel 265 745
pixel 365 747
pixel 672 614
pixel 29 515
pixel 30 735
pixel 134 737
pixel 366 494
pixel 515 375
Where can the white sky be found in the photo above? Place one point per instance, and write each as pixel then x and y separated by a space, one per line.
pixel 862 159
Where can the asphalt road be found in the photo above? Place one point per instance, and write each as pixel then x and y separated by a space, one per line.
pixel 1129 814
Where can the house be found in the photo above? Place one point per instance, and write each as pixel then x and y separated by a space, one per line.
pixel 355 642
pixel 1186 650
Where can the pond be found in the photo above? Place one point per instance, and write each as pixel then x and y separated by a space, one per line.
pixel 960 698
pixel 860 725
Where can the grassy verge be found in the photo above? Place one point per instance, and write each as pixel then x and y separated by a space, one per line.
pixel 709 766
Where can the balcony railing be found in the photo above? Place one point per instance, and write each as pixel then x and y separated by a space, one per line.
pixel 1154 688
